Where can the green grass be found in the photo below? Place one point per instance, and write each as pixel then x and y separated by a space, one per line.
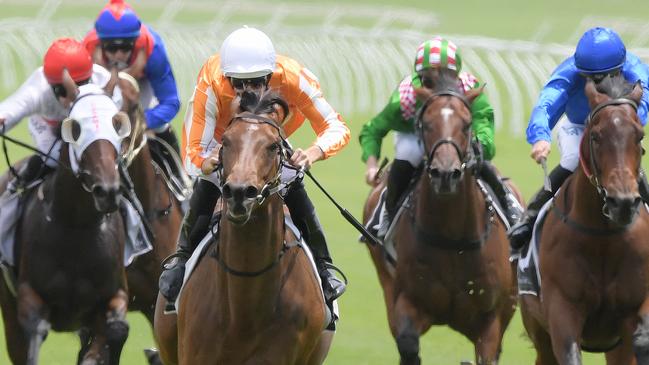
pixel 363 336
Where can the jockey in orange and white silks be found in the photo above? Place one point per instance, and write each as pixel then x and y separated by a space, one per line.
pixel 247 63
pixel 42 99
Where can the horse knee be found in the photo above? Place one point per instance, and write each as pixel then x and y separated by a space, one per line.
pixel 408 345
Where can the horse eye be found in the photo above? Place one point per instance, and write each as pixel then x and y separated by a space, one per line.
pixel 273 148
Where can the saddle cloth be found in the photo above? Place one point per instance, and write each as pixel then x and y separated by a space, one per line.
pixel 529 277
pixel 332 313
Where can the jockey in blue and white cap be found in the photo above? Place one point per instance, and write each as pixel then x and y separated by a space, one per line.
pixel 600 53
pixel 120 40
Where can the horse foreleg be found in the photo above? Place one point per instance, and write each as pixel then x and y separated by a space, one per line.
pixel 565 323
pixel 641 335
pixel 487 344
pixel 32 316
pixel 409 325
pixel 116 326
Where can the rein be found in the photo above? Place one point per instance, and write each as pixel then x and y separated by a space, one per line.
pixel 591 168
pixel 467 157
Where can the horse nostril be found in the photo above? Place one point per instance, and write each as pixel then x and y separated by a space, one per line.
pixel 251 192
pixel 435 173
pixel 99 191
pixel 227 191
pixel 456 174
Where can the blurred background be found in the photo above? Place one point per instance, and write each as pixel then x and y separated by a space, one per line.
pixel 360 50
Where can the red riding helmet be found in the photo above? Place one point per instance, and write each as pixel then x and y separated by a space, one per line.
pixel 67 53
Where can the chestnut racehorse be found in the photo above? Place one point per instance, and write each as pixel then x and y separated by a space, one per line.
pixel 453 254
pixel 594 248
pixel 254 298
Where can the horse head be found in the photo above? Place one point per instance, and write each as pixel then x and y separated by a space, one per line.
pixel 252 154
pixel 611 149
pixel 444 127
pixel 94 131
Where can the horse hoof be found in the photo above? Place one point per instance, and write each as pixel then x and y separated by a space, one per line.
pixel 117 332
pixel 153 356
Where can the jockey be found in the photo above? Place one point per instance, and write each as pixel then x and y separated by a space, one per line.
pixel 399 115
pixel 247 62
pixel 600 52
pixel 119 40
pixel 43 99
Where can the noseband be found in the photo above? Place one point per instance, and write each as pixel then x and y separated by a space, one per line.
pixel 467 157
pixel 592 170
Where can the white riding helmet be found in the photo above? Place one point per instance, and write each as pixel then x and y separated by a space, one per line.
pixel 247 53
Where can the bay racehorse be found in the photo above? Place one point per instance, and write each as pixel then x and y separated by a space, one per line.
pixel 254 298
pixel 453 254
pixel 594 248
pixel 71 240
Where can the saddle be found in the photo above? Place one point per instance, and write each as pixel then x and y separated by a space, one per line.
pixel 166 160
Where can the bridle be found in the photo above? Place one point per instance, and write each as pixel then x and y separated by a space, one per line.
pixel 591 168
pixel 467 157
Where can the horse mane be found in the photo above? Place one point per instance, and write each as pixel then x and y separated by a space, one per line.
pixel 615 86
pixel 251 102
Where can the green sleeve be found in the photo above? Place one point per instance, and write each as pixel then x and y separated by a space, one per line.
pixel 372 133
pixel 483 125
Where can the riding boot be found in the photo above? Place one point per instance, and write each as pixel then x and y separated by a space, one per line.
pixel 399 178
pixel 194 228
pixel 507 199
pixel 305 218
pixel 521 232
pixel 30 172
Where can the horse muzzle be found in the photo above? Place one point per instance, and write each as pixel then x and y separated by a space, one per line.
pixel 622 209
pixel 241 199
pixel 106 197
pixel 445 180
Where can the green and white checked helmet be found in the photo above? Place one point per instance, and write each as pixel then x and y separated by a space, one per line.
pixel 438 52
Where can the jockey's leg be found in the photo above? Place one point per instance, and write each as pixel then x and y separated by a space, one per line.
pixel 167 134
pixel 305 218
pixel 521 232
pixel 407 156
pixel 513 209
pixel 194 228
pixel 37 166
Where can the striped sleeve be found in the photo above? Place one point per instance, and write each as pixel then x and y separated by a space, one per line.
pixel 333 134
pixel 200 123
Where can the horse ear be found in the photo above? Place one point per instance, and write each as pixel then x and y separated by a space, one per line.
pixel 423 93
pixel 137 68
pixel 71 88
pixel 636 93
pixel 594 97
pixel 474 93
pixel 130 91
pixel 112 82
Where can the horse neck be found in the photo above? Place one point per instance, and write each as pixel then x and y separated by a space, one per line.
pixel 453 216
pixel 144 176
pixel 71 203
pixel 584 202
pixel 252 247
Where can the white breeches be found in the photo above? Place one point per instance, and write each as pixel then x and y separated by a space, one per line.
pixel 46 139
pixel 569 138
pixel 408 147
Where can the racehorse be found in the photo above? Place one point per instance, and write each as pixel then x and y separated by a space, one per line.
pixel 160 207
pixel 254 298
pixel 71 241
pixel 593 251
pixel 452 251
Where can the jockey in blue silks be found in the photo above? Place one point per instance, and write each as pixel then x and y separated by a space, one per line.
pixel 120 40
pixel 600 53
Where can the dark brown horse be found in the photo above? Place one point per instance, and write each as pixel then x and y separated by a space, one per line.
pixel 594 253
pixel 453 254
pixel 160 206
pixel 254 297
pixel 71 241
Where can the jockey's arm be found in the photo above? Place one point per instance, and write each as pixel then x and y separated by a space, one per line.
pixel 332 132
pixel 373 132
pixel 483 125
pixel 26 101
pixel 549 108
pixel 158 72
pixel 636 70
pixel 199 125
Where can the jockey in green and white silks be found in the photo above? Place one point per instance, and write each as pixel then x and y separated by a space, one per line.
pixel 399 116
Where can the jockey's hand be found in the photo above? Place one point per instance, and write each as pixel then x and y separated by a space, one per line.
pixel 540 150
pixel 371 171
pixel 305 158
pixel 212 161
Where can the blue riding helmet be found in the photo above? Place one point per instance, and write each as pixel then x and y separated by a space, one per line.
pixel 600 50
pixel 111 25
